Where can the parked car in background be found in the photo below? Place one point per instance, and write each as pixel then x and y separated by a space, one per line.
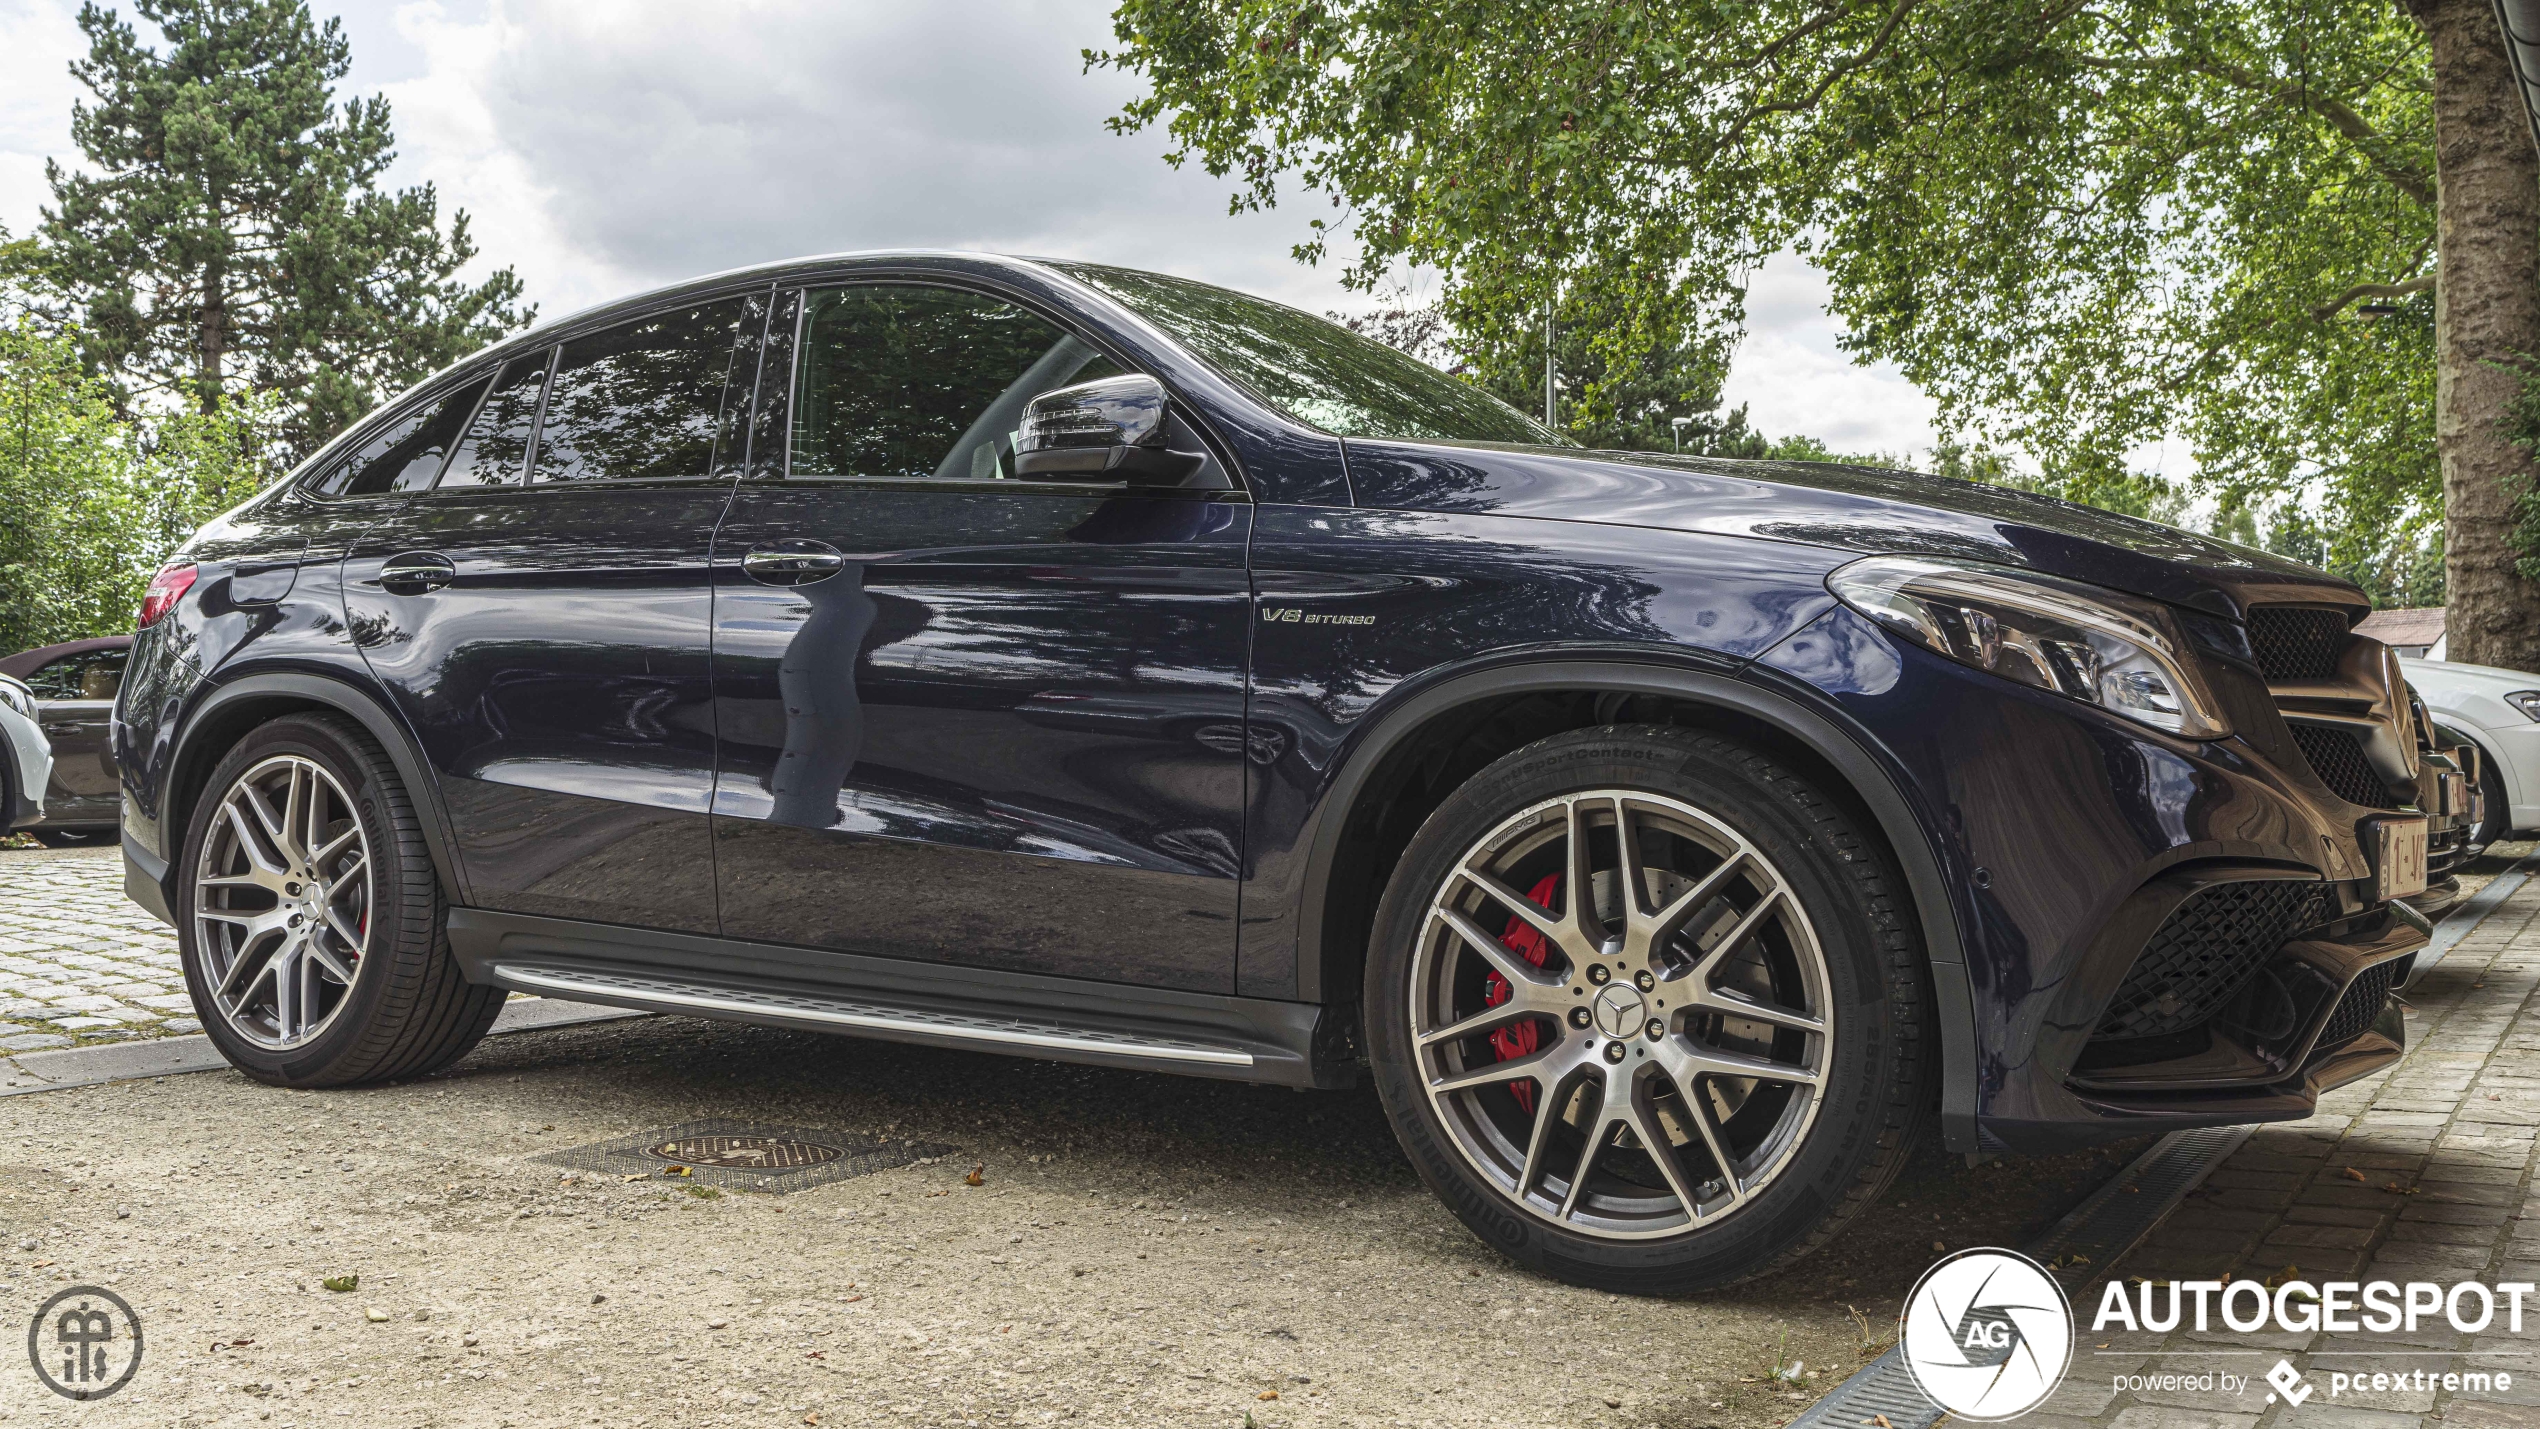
pixel 75 685
pixel 2499 712
pixel 1061 660
pixel 26 757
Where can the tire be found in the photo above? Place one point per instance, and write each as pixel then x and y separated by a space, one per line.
pixel 1832 965
pixel 404 1010
pixel 73 838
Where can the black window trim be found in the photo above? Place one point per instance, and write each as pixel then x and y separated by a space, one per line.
pixel 389 414
pixel 802 287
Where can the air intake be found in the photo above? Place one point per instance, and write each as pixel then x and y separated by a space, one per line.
pixel 2204 953
pixel 2297 642
pixel 2338 758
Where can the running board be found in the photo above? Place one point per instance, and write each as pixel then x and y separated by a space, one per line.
pixel 1066 1019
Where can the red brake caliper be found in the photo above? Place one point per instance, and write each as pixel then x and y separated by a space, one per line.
pixel 1519 1039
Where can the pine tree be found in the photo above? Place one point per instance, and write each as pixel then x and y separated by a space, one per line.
pixel 230 238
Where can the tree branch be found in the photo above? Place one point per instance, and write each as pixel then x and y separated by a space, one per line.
pixel 2340 116
pixel 2338 304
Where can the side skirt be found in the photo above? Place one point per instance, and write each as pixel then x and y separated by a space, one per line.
pixel 937 1004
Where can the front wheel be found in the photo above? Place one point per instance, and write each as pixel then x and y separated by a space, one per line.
pixel 311 920
pixel 1647 1012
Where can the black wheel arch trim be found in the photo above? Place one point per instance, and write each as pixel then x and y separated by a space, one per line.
pixel 329 692
pixel 1797 711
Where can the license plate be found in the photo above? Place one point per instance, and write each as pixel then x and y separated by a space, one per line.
pixel 2398 857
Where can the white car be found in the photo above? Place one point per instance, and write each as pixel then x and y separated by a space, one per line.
pixel 2499 711
pixel 26 757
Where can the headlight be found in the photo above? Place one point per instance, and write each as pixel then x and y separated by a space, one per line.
pixel 17 696
pixel 2527 701
pixel 2078 641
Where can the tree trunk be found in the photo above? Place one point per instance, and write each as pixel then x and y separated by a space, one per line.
pixel 2486 317
pixel 209 373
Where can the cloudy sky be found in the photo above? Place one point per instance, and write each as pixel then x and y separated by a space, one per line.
pixel 602 148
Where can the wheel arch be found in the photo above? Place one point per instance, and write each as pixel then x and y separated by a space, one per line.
pixel 237 706
pixel 1411 756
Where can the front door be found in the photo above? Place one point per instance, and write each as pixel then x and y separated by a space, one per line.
pixel 967 717
pixel 541 616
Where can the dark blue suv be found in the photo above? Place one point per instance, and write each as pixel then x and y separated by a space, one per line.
pixel 1053 659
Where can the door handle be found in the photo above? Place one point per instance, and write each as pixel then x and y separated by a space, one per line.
pixel 792 562
pixel 415 572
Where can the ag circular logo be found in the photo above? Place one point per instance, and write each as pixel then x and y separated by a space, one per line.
pixel 85 1343
pixel 1987 1334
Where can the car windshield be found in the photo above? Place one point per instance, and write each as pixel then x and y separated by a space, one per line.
pixel 1316 371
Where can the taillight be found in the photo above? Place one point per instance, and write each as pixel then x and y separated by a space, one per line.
pixel 166 589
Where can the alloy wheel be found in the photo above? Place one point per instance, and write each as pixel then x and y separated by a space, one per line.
pixel 282 901
pixel 1621 1014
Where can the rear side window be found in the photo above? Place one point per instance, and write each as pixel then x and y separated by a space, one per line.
pixel 407 453
pixel 495 451
pixel 923 383
pixel 639 401
pixel 88 675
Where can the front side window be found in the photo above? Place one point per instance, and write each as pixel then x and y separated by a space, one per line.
pixel 639 401
pixel 88 675
pixel 495 450
pixel 407 453
pixel 1318 372
pixel 923 383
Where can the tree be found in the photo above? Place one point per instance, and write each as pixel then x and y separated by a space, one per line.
pixel 232 238
pixel 2300 234
pixel 95 500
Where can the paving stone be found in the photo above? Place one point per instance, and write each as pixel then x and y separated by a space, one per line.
pixel 79 957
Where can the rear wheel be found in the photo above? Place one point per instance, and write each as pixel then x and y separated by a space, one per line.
pixel 1646 1012
pixel 311 920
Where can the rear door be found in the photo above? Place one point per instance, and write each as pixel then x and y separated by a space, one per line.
pixel 967 717
pixel 540 615
pixel 75 703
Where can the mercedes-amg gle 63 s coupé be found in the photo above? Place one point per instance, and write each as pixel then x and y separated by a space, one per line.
pixel 1052 659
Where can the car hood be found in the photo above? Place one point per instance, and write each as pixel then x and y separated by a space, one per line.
pixel 1865 510
pixel 2446 676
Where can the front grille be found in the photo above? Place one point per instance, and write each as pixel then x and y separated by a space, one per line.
pixel 2294 642
pixel 2361 1004
pixel 2205 952
pixel 2338 758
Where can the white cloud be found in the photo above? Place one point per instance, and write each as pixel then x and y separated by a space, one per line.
pixel 604 148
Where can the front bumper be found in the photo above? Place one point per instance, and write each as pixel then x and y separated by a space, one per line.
pixel 2067 836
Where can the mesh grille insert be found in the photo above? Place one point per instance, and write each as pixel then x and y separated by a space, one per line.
pixel 2361 1004
pixel 2206 951
pixel 2296 642
pixel 2339 761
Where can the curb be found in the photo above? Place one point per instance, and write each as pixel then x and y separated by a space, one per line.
pixel 55 1071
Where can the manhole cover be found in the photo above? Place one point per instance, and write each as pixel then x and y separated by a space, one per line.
pixel 747 1153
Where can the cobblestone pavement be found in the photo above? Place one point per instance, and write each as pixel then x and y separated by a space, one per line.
pixel 78 961
pixel 2422 1173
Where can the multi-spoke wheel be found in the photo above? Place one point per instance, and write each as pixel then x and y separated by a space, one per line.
pixel 282 901
pixel 1628 991
pixel 310 915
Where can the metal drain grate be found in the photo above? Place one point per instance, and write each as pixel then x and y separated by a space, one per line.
pixel 748 1156
pixel 2102 1228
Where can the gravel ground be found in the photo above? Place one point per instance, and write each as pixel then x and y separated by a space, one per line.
pixel 1142 1250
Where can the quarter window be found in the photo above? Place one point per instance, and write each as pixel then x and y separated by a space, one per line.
pixel 639 401
pixel 407 453
pixel 495 450
pixel 923 383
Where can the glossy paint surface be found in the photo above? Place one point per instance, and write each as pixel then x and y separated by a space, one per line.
pixel 1095 734
pixel 1009 732
pixel 559 686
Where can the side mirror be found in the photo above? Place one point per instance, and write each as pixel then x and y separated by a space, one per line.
pixel 1111 429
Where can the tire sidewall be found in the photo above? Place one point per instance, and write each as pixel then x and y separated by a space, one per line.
pixel 1742 791
pixel 320 741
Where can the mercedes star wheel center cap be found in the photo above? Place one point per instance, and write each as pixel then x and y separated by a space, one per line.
pixel 1618 1010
